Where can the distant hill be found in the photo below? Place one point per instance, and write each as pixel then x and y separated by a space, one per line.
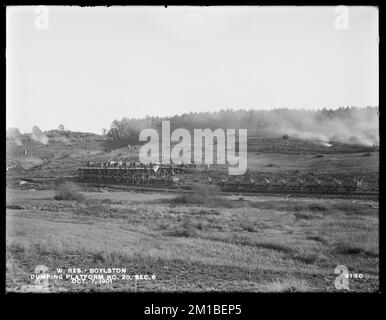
pixel 14 136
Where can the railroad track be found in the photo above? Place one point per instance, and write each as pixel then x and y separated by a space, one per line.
pixel 249 192
pixel 234 189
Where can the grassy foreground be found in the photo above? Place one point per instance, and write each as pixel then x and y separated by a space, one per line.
pixel 203 242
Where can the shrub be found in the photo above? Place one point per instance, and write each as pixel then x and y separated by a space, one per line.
pixel 306 258
pixel 318 238
pixel 247 226
pixel 112 201
pixel 316 207
pixel 201 212
pixel 201 194
pixel 181 232
pixel 358 247
pixel 186 229
pixel 14 207
pixel 201 226
pixel 68 191
pixel 271 165
pixel 304 216
pixel 281 247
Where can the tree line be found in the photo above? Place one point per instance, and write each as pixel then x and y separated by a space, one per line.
pixel 258 122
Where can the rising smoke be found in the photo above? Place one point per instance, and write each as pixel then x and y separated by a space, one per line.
pixel 353 126
pixel 38 136
pixel 346 125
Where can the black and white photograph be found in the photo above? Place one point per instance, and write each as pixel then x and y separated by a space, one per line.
pixel 192 149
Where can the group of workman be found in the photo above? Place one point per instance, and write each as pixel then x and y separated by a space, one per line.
pixel 126 164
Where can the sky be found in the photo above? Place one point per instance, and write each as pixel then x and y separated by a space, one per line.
pixel 89 66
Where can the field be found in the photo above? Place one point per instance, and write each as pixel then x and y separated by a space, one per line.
pixel 200 241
